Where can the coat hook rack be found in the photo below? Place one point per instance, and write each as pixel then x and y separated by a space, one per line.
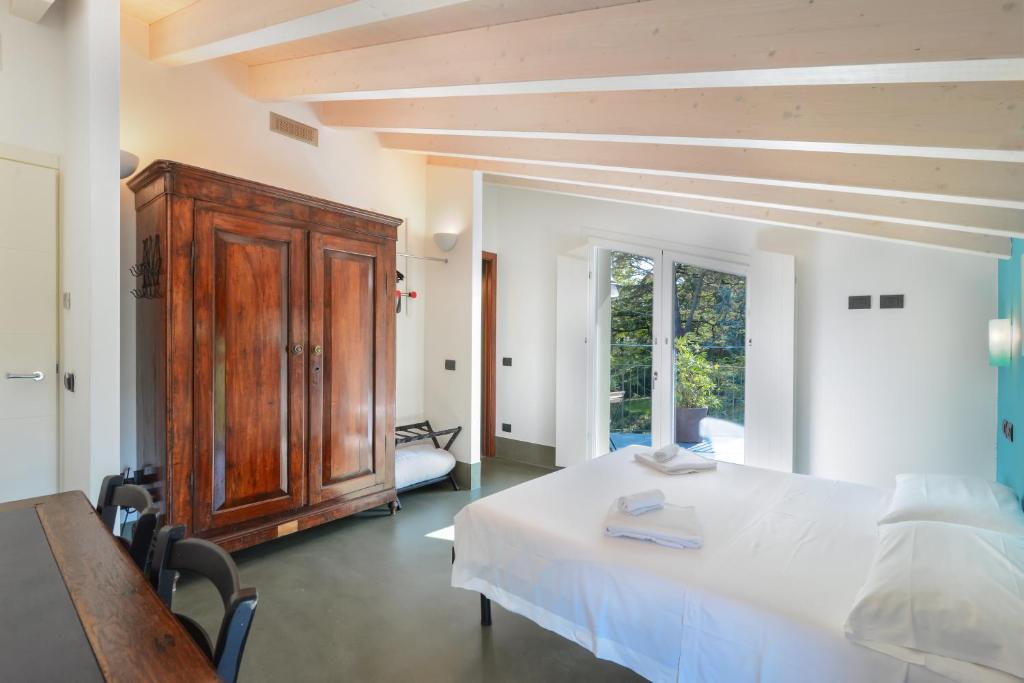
pixel 399 294
pixel 148 269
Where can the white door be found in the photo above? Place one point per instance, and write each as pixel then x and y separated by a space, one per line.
pixel 28 330
pixel 703 357
pixel 625 375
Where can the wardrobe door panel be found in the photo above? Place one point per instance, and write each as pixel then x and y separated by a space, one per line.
pixel 249 381
pixel 349 318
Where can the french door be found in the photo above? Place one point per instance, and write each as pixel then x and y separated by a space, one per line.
pixel 703 355
pixel 668 362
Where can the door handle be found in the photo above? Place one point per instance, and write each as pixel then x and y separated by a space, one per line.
pixel 36 376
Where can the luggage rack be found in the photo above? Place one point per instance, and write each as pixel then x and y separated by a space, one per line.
pixel 418 431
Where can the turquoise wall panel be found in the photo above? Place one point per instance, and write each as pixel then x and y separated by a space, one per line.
pixel 1010 456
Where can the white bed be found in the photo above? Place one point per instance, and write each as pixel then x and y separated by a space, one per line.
pixel 764 600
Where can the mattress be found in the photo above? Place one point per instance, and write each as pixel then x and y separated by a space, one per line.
pixel 764 600
pixel 421 462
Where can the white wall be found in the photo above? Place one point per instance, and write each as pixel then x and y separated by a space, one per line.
pixel 452 332
pixel 878 392
pixel 59 94
pixel 90 245
pixel 32 100
pixel 201 115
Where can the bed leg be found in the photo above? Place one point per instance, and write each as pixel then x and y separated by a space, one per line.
pixel 485 610
pixel 455 484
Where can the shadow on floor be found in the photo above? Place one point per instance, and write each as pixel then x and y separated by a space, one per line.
pixel 370 599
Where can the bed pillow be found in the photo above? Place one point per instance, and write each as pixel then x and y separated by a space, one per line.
pixel 945 596
pixel 961 500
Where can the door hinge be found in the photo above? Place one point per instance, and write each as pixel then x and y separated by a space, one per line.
pixel 192 258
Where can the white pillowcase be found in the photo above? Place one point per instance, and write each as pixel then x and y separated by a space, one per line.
pixel 945 596
pixel 960 500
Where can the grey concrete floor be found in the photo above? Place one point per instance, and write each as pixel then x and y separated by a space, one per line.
pixel 370 599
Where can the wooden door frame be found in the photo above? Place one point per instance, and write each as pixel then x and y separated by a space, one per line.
pixel 489 342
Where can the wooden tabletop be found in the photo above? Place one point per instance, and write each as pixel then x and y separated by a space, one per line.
pixel 88 608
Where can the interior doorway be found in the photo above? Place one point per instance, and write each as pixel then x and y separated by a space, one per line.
pixel 488 356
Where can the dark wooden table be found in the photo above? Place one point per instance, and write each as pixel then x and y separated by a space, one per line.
pixel 74 607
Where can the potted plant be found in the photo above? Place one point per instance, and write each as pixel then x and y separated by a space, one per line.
pixel 695 389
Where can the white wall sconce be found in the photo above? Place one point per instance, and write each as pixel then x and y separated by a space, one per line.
pixel 445 241
pixel 129 162
pixel 1000 342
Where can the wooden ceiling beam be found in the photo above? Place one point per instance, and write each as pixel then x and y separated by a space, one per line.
pixel 987 116
pixel 986 245
pixel 661 37
pixel 998 221
pixel 447 16
pixel 269 30
pixel 987 182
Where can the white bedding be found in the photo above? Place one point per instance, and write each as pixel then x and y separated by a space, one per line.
pixel 764 600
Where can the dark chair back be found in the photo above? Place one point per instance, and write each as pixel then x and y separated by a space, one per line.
pixel 173 554
pixel 114 494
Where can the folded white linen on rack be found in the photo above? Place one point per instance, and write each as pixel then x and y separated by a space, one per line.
pixel 666 453
pixel 640 503
pixel 672 526
pixel 686 462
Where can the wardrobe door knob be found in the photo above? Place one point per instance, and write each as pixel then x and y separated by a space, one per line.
pixel 297 349
pixel 317 350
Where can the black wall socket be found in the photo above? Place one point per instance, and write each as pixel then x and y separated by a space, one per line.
pixel 890 301
pixel 1008 430
pixel 506 427
pixel 858 303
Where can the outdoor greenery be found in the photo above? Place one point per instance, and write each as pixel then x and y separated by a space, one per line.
pixel 709 321
pixel 696 385
pixel 709 315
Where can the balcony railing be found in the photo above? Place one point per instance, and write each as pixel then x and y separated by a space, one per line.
pixel 630 385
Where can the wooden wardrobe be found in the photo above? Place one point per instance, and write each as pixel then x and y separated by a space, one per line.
pixel 265 354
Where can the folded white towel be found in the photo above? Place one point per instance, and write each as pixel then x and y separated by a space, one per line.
pixel 666 453
pixel 687 462
pixel 640 503
pixel 672 526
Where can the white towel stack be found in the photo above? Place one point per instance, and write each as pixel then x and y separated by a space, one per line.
pixel 666 453
pixel 640 503
pixel 684 462
pixel 672 526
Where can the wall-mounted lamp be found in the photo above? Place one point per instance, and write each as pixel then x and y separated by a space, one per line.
pixel 1000 341
pixel 129 162
pixel 445 241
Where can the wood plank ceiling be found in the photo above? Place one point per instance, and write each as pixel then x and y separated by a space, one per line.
pixel 883 119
